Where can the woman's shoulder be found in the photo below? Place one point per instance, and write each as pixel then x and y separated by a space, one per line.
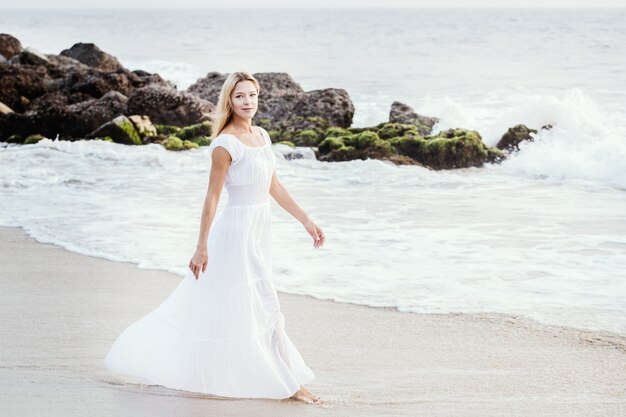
pixel 227 142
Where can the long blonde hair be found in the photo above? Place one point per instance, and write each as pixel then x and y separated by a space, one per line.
pixel 223 113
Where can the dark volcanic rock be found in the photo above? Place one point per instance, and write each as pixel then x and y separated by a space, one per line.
pixel 9 45
pixel 20 84
pixel 404 114
pixel 208 87
pixel 29 57
pixel 89 54
pixel 73 121
pixel 120 129
pixel 63 80
pixel 514 136
pixel 285 107
pixel 166 105
pixel 517 134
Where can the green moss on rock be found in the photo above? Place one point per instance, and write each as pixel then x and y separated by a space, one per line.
pixel 201 141
pixel 336 131
pixel 307 137
pixel 194 131
pixel 33 139
pixel 391 130
pixel 363 145
pixel 167 130
pixel 173 143
pixel 128 128
pixel 453 148
pixel 330 144
pixel 15 139
pixel 187 144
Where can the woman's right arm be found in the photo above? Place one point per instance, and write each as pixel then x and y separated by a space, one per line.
pixel 220 161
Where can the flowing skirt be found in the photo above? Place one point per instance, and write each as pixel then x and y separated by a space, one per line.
pixel 224 333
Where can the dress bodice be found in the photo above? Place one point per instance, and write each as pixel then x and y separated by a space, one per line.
pixel 250 173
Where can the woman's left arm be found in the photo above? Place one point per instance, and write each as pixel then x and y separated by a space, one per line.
pixel 282 197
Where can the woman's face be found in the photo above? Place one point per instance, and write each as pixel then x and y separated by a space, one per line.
pixel 244 99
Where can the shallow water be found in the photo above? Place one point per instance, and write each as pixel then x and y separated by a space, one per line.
pixel 543 234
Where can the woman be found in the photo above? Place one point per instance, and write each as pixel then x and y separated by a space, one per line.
pixel 221 330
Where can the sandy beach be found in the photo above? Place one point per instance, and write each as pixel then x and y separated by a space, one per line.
pixel 61 312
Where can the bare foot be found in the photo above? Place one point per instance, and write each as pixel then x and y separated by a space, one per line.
pixel 306 396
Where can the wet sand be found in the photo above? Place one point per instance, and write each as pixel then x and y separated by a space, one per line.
pixel 62 311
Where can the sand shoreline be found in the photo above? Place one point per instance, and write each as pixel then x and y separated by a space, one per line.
pixel 62 311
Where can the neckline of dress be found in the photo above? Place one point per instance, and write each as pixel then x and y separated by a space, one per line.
pixel 265 141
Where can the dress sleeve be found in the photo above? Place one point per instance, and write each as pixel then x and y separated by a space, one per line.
pixel 225 142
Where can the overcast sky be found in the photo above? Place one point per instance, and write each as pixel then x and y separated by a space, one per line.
pixel 81 4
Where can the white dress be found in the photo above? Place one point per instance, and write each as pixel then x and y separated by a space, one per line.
pixel 223 334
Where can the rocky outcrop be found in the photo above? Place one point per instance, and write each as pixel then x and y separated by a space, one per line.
pixel 58 94
pixel 86 93
pixel 19 85
pixel 362 145
pixel 166 105
pixel 453 148
pixel 404 114
pixel 285 108
pixel 72 121
pixel 90 55
pixel 515 135
pixel 9 46
pixel 120 130
pixel 403 144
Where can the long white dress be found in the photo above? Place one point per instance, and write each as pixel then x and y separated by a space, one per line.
pixel 223 334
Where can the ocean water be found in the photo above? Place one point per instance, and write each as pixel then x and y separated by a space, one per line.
pixel 542 235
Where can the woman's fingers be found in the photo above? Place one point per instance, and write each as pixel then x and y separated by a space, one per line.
pixel 318 237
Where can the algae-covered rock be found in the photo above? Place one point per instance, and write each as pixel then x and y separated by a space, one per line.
pixel 187 144
pixel 307 138
pixel 143 125
pixel 515 135
pixel 335 131
pixel 120 129
pixel 453 148
pixel 361 145
pixel 201 140
pixel 392 130
pixel 172 143
pixel 167 129
pixel 196 130
pixel 33 139
pixel 15 139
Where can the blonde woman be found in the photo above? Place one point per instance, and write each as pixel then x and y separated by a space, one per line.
pixel 221 331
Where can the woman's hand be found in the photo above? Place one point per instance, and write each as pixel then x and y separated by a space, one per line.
pixel 199 261
pixel 316 233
